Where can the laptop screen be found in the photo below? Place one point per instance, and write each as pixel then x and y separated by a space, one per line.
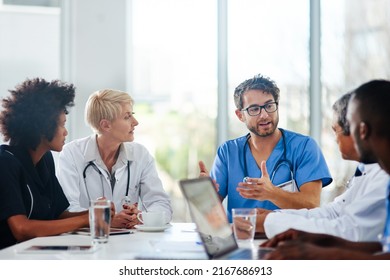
pixel 209 216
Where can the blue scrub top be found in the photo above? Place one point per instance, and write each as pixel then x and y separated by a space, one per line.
pixel 308 164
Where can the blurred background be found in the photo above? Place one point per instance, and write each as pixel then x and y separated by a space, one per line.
pixel 181 60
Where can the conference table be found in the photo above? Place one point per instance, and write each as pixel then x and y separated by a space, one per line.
pixel 178 239
pixel 121 251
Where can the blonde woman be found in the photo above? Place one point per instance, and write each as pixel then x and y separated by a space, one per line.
pixel 109 164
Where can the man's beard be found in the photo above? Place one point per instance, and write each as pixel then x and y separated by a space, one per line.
pixel 257 132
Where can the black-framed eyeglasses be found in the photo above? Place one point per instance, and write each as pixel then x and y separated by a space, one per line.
pixel 255 110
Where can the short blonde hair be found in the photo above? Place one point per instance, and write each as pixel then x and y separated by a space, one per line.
pixel 105 104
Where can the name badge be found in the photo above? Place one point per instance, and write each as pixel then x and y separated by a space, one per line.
pixel 289 186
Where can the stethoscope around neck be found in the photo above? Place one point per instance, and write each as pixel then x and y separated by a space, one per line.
pixel 282 161
pixel 93 165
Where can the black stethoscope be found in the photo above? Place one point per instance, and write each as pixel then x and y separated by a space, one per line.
pixel 93 165
pixel 279 163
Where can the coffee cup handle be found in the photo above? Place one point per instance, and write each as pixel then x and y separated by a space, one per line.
pixel 139 217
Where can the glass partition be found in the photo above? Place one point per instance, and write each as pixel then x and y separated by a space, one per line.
pixel 174 84
pixel 355 49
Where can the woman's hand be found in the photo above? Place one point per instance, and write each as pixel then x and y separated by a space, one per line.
pixel 127 218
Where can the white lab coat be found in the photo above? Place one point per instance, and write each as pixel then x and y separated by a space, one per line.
pixel 144 181
pixel 358 214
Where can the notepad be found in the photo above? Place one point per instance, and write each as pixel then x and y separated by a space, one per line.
pixel 53 249
pixel 113 231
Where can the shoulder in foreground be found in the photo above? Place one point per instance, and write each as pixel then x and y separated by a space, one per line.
pixel 374 168
pixel 48 155
pixel 7 159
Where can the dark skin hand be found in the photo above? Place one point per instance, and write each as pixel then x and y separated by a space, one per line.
pixel 296 244
pixel 23 228
pixel 298 250
pixel 314 238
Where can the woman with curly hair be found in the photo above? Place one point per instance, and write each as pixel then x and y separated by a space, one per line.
pixel 32 202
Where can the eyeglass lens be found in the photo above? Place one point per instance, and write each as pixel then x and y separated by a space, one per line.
pixel 256 110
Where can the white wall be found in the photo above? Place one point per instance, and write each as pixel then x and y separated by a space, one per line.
pixel 93 52
pixel 84 43
pixel 29 45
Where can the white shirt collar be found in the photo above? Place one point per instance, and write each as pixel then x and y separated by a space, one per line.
pixel 92 152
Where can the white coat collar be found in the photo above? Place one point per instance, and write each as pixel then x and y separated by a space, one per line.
pixel 367 168
pixel 92 152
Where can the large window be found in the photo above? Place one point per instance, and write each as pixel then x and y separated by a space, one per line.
pixel 265 38
pixel 30 44
pixel 174 83
pixel 45 3
pixel 173 66
pixel 355 49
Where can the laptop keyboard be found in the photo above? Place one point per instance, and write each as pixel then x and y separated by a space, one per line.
pixel 248 254
pixel 241 254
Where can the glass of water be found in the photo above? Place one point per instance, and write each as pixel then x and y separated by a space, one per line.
pixel 244 224
pixel 100 220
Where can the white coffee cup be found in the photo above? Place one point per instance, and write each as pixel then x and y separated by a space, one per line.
pixel 152 219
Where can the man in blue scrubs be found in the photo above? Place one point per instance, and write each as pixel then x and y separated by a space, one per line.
pixel 267 157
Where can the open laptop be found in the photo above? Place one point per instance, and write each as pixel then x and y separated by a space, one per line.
pixel 216 233
pixel 208 214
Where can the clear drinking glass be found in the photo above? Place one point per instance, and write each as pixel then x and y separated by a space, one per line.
pixel 244 224
pixel 100 220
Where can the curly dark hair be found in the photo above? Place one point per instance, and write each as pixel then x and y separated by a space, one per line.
pixel 32 111
pixel 258 82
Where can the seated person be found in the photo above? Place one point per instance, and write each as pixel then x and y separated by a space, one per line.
pixel 358 214
pixel 368 116
pixel 109 164
pixel 287 155
pixel 32 203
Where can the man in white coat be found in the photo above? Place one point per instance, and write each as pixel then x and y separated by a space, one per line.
pixel 357 215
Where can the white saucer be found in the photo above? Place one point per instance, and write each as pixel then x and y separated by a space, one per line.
pixel 145 228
